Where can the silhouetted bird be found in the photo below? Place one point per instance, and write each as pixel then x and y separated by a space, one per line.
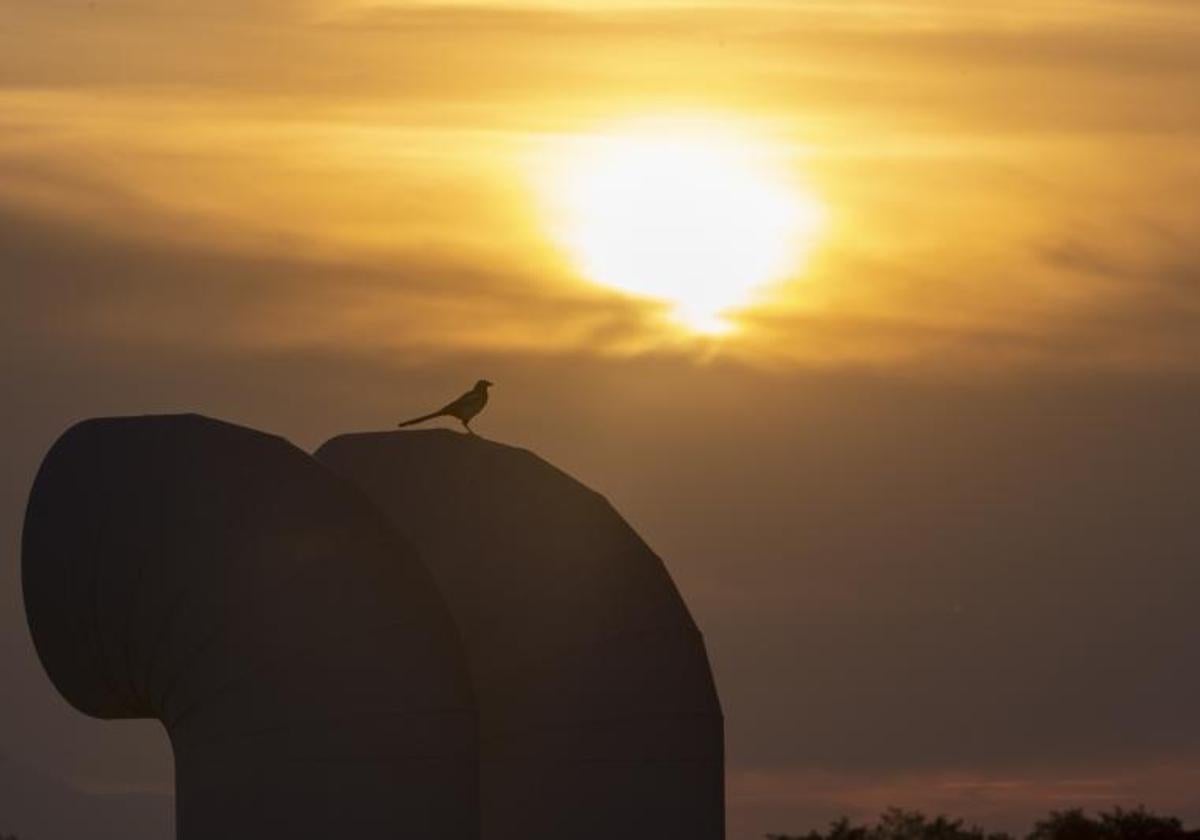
pixel 464 408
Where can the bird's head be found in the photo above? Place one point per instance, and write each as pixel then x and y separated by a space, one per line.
pixel 482 385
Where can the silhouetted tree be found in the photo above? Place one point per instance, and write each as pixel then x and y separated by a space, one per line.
pixel 1066 825
pixel 1118 824
pixel 898 824
pixel 1138 824
pixel 1074 824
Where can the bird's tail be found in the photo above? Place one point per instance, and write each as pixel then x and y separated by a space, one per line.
pixel 420 419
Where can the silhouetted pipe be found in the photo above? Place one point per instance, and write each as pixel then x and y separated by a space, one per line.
pixel 222 581
pixel 599 718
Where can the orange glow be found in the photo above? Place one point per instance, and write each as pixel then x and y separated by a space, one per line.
pixel 701 216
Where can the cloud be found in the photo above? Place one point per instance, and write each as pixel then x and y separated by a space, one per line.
pixel 75 285
pixel 1002 65
pixel 151 252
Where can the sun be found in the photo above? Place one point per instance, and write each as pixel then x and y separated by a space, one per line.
pixel 701 216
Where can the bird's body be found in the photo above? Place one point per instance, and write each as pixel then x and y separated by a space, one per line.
pixel 462 409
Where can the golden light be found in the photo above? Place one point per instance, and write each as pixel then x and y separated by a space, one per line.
pixel 701 216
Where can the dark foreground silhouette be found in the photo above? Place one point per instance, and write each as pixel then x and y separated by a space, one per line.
pixel 416 634
pixel 462 409
pixel 306 669
pixel 898 824
pixel 597 710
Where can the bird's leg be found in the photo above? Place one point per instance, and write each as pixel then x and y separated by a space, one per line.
pixel 467 426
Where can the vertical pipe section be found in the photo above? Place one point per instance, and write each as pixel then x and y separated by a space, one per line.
pixel 306 668
pixel 599 717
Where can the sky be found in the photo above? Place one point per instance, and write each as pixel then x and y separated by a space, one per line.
pixel 930 489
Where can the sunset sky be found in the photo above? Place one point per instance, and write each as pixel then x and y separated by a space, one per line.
pixel 879 320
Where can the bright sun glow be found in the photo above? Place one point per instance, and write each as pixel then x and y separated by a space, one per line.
pixel 698 216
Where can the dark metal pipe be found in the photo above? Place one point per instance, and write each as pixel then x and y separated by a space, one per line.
pixel 306 669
